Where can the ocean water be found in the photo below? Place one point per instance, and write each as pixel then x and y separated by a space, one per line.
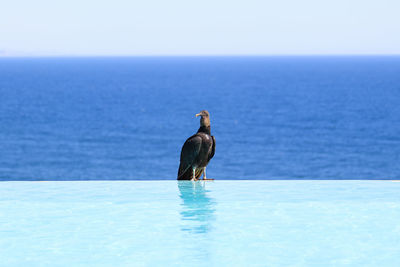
pixel 221 223
pixel 127 118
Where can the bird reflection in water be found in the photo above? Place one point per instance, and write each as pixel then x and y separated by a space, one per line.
pixel 198 208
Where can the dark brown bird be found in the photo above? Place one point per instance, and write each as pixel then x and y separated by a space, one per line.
pixel 197 151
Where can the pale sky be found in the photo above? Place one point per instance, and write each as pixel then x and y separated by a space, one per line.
pixel 206 27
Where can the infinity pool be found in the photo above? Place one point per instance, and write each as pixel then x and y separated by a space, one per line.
pixel 221 223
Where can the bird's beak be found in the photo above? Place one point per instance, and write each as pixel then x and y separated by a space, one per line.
pixel 198 114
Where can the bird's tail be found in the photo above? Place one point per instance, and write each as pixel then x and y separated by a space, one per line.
pixel 184 174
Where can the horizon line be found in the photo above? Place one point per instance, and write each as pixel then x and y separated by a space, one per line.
pixel 198 55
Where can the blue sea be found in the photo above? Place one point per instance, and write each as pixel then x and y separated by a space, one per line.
pixel 272 117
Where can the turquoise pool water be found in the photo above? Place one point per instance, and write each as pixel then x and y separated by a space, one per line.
pixel 221 223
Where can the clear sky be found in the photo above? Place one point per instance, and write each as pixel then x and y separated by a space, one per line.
pixel 206 27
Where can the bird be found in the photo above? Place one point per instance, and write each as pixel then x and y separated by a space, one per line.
pixel 197 151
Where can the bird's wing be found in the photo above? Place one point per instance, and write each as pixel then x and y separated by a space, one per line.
pixel 190 151
pixel 212 149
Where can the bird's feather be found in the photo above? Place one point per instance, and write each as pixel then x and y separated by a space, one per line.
pixel 212 149
pixel 190 151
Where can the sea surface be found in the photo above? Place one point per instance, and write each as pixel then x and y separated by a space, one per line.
pixel 272 117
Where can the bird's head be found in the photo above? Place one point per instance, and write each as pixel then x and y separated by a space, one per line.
pixel 205 118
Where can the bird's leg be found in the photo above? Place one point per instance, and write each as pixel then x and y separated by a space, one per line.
pixel 204 175
pixel 194 175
